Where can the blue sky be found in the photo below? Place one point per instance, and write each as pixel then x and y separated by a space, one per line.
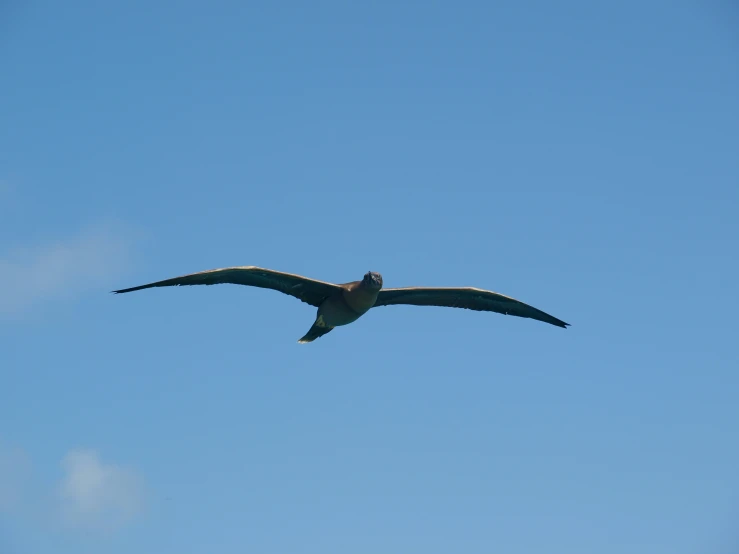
pixel 579 156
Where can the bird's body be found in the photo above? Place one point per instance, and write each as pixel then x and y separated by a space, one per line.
pixel 343 304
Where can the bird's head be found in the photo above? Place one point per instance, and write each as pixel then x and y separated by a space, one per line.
pixel 372 280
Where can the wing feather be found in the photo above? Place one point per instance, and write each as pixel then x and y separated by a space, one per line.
pixel 308 290
pixel 464 297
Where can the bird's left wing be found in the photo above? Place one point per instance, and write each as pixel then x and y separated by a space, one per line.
pixel 470 298
pixel 308 290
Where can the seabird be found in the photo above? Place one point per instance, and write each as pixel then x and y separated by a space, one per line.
pixel 343 304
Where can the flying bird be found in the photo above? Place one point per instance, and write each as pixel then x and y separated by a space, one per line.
pixel 343 304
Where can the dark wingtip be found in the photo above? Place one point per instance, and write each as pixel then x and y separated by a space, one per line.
pixel 121 291
pixel 551 320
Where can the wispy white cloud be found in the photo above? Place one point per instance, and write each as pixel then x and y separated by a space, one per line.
pixel 92 495
pixel 98 495
pixel 63 267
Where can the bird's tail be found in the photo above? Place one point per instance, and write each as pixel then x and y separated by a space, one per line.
pixel 318 330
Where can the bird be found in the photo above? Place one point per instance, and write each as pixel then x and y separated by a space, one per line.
pixel 342 304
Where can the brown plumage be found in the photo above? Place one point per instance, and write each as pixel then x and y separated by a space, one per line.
pixel 345 303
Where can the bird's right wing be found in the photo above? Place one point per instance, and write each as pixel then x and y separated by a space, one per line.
pixel 464 297
pixel 308 290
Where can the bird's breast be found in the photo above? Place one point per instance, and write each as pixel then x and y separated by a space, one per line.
pixel 335 311
pixel 360 300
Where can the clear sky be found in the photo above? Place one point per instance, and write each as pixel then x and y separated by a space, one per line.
pixel 580 156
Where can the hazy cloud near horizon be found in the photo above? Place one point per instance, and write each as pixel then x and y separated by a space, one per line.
pixel 98 495
pixel 92 494
pixel 62 267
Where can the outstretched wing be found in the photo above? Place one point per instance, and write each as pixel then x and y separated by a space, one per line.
pixel 308 290
pixel 470 298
